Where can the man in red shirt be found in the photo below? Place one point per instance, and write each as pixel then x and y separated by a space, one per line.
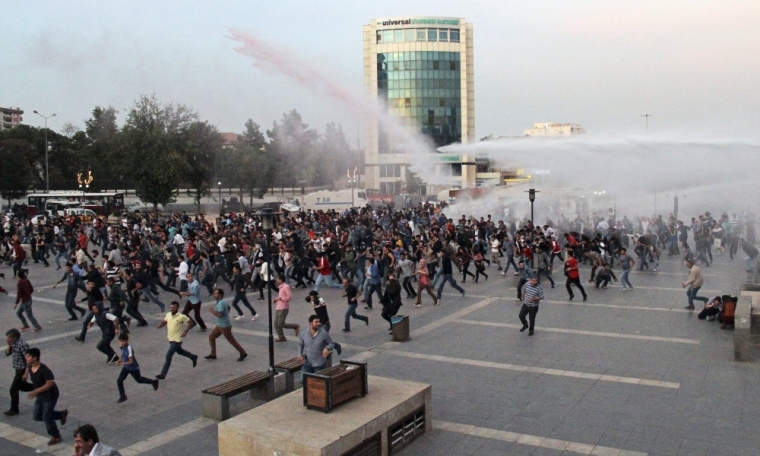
pixel 325 272
pixel 24 297
pixel 573 276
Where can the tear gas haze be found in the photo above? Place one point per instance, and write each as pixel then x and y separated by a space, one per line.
pixel 579 175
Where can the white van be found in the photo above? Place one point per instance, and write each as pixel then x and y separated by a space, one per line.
pixel 58 207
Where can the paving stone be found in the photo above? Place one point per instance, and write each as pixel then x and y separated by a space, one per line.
pixel 714 394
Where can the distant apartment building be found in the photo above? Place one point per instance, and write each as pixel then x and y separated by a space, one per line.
pixel 230 139
pixel 11 117
pixel 554 129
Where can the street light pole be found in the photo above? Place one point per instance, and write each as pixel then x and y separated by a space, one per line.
pixel 84 183
pixel 267 226
pixel 47 168
pixel 646 121
pixel 532 197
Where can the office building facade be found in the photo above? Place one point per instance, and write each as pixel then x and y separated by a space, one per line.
pixel 421 70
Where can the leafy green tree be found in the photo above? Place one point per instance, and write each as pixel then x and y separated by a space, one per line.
pixel 35 139
pixel 202 144
pixel 334 157
pixel 293 144
pixel 255 166
pixel 101 150
pixel 15 168
pixel 152 149
pixel 414 184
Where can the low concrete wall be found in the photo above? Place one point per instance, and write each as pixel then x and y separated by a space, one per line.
pixel 284 427
pixel 742 336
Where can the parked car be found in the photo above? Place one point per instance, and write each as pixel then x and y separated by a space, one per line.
pixel 142 207
pixel 273 205
pixel 233 204
pixel 85 215
pixel 42 218
pixel 289 207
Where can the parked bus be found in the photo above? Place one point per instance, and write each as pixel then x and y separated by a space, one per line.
pixel 105 203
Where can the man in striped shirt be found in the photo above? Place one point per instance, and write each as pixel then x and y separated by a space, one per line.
pixel 532 295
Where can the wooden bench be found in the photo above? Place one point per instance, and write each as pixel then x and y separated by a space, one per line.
pixel 290 368
pixel 215 401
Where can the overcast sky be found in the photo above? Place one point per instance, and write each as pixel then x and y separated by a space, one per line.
pixel 693 64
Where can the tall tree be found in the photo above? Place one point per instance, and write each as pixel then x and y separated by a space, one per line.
pixel 255 166
pixel 152 148
pixel 15 168
pixel 293 143
pixel 102 153
pixel 202 143
pixel 334 156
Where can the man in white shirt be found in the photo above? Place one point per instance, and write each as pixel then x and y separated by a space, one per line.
pixel 495 246
pixel 179 243
pixel 182 274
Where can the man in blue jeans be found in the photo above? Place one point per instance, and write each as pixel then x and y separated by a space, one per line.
pixel 374 280
pixel 175 321
pixel 72 287
pixel 627 263
pixel 352 294
pixel 694 282
pixel 447 274
pixel 45 395
pixel 315 346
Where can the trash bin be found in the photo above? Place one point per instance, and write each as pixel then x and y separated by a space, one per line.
pixel 400 327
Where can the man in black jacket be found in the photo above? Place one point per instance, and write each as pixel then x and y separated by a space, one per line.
pixel 392 299
pixel 352 296
pixel 447 275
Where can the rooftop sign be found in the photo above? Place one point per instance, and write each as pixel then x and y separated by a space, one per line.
pixel 417 21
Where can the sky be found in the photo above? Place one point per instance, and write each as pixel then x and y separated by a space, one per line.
pixel 692 65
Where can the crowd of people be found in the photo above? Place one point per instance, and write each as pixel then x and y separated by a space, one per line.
pixel 366 252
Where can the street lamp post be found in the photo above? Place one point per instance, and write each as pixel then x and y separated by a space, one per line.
pixel 267 226
pixel 532 197
pixel 84 183
pixel 47 168
pixel 352 181
pixel 219 186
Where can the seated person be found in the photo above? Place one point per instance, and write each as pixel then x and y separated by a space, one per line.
pixel 711 309
pixel 604 275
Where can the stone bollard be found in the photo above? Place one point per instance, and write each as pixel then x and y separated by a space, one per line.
pixel 742 319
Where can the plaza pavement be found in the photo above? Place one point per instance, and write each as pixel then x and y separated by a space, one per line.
pixel 623 374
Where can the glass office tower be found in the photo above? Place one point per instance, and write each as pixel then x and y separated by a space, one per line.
pixel 422 69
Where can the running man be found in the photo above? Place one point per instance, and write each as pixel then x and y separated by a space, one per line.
pixel 573 276
pixel 175 321
pixel 129 366
pixel 627 263
pixel 223 326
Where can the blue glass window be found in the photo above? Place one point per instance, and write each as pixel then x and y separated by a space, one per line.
pixel 432 35
pixel 398 36
pixel 424 90
pixel 421 35
pixel 454 33
pixel 387 36
pixel 409 35
pixel 443 35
